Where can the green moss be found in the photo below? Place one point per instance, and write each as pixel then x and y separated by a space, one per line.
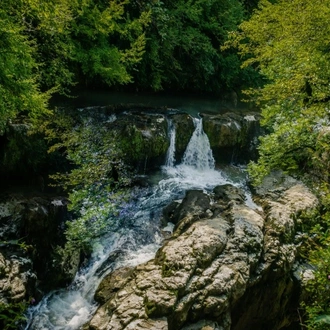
pixel 139 144
pixel 150 308
pixel 11 315
pixel 167 271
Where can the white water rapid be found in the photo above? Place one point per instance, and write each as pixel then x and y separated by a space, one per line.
pixel 135 237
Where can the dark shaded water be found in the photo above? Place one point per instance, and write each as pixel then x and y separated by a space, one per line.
pixel 191 104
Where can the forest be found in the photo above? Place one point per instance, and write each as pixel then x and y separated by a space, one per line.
pixel 57 47
pixel 275 53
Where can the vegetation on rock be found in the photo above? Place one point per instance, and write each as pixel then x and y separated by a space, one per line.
pixel 11 316
pixel 96 176
pixel 288 43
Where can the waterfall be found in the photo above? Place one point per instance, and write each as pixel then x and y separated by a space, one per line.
pixel 134 239
pixel 198 153
pixel 170 156
pixel 197 168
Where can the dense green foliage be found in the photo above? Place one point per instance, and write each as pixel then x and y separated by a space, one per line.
pixel 50 46
pixel 291 52
pixel 19 89
pixel 98 176
pixel 288 42
pixel 11 316
pixel 183 46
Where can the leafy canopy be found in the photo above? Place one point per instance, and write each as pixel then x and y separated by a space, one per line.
pixel 183 45
pixel 19 89
pixel 288 43
pixel 48 46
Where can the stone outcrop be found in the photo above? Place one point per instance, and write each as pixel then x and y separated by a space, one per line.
pixel 233 136
pixel 17 280
pixel 32 230
pixel 227 266
pixel 279 279
pixel 184 127
pixel 143 138
pixel 141 132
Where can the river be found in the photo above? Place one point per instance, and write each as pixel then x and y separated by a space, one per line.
pixel 137 234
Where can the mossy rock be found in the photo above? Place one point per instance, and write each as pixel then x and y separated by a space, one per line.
pixel 233 136
pixel 143 139
pixel 184 127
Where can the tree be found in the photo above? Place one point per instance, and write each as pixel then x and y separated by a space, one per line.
pixel 48 46
pixel 19 89
pixel 108 41
pixel 183 45
pixel 84 40
pixel 288 43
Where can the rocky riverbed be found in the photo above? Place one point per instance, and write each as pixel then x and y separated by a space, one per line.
pixel 226 266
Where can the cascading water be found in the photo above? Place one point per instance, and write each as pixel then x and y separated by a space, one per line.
pixel 134 238
pixel 198 153
pixel 170 157
pixel 197 169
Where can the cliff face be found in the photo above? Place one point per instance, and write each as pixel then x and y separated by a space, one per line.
pixel 226 266
pixel 31 237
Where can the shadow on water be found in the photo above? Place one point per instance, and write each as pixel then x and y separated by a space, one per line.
pixel 192 104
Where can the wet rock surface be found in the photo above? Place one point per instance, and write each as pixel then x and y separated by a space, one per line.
pixel 184 126
pixel 227 269
pixel 143 138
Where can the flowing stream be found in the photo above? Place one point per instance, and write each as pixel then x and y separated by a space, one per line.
pixel 135 237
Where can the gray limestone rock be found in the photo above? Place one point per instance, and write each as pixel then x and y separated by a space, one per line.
pixel 207 274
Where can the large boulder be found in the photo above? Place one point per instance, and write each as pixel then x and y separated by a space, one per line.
pixel 233 136
pixel 280 277
pixel 143 138
pixel 144 135
pixel 228 269
pixel 31 237
pixel 184 126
